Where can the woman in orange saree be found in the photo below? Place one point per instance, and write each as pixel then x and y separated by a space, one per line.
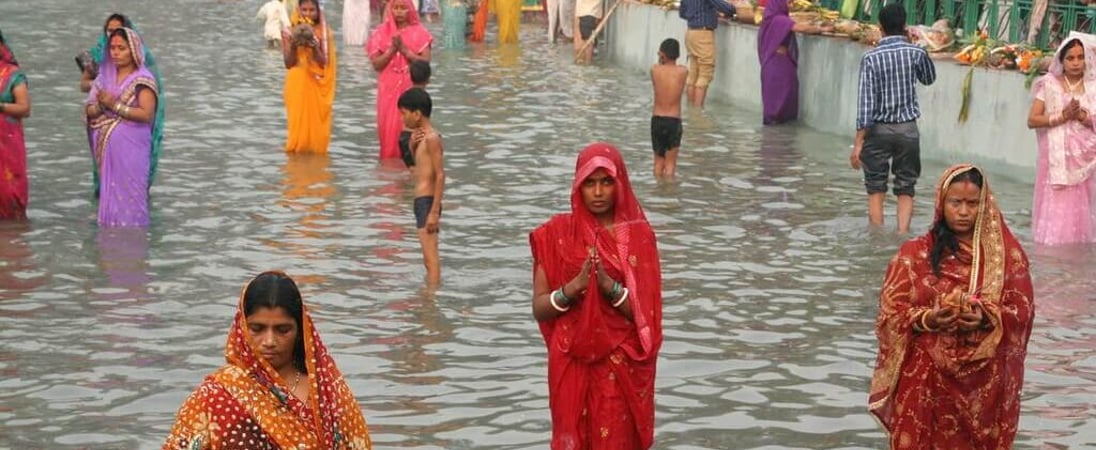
pixel 396 42
pixel 955 315
pixel 280 388
pixel 597 296
pixel 309 92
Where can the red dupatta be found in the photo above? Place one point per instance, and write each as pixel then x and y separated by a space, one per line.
pixel 954 389
pixel 593 338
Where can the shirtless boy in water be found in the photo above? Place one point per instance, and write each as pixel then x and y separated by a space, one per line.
pixel 429 175
pixel 668 79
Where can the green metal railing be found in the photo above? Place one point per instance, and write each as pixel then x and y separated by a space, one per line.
pixel 1003 19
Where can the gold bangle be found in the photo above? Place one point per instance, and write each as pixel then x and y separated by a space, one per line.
pixel 924 325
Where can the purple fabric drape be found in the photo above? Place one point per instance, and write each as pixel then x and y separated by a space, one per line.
pixel 123 148
pixel 779 72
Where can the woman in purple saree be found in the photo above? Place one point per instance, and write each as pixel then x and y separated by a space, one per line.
pixel 778 54
pixel 121 109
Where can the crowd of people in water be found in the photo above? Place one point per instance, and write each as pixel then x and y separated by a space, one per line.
pixel 955 310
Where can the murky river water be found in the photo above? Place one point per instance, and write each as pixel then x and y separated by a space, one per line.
pixel 770 276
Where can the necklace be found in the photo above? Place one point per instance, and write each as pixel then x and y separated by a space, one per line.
pixel 1073 86
pixel 296 382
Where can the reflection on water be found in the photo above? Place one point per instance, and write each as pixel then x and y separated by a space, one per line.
pixel 770 277
pixel 123 257
pixel 18 272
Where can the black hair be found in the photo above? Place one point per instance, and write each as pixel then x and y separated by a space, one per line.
pixel 116 16
pixel 120 32
pixel 420 71
pixel 1066 48
pixel 125 36
pixel 670 48
pixel 416 99
pixel 316 3
pixel 276 290
pixel 944 238
pixel 892 18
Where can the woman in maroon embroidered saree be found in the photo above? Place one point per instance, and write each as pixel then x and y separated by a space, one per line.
pixel 955 315
pixel 597 295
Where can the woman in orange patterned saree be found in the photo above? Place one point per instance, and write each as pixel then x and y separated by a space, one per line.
pixel 280 388
pixel 597 296
pixel 955 315
pixel 309 92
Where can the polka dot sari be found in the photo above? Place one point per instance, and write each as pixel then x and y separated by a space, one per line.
pixel 246 404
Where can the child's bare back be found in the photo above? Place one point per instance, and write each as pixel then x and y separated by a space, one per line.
pixel 669 85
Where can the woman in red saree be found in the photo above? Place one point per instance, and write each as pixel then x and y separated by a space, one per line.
pixel 280 388
pixel 955 316
pixel 396 42
pixel 597 295
pixel 14 106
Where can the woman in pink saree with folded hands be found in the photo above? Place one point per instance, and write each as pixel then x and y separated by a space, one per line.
pixel 397 41
pixel 1063 114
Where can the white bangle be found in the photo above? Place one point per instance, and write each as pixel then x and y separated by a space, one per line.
pixel 552 300
pixel 622 298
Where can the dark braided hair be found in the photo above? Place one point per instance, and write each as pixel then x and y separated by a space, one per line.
pixel 944 238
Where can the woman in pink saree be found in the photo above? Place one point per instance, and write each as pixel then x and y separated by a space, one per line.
pixel 14 106
pixel 121 109
pixel 1063 114
pixel 396 42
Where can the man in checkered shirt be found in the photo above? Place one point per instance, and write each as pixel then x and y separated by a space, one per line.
pixel 887 139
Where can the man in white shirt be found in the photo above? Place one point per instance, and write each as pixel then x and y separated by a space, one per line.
pixel 561 20
pixel 587 15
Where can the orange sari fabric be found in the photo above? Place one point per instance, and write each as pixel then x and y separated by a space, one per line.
pixel 246 404
pixel 309 94
pixel 601 365
pixel 954 390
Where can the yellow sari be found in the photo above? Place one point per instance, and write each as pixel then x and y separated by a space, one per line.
pixel 509 17
pixel 310 94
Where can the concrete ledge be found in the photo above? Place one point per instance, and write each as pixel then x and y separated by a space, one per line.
pixel 995 134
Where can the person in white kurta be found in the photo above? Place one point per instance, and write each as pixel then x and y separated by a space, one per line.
pixel 275 19
pixel 355 21
pixel 561 17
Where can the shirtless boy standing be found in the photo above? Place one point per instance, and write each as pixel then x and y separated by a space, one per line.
pixel 429 175
pixel 668 79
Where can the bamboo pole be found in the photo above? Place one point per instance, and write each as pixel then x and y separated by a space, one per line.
pixel 593 36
